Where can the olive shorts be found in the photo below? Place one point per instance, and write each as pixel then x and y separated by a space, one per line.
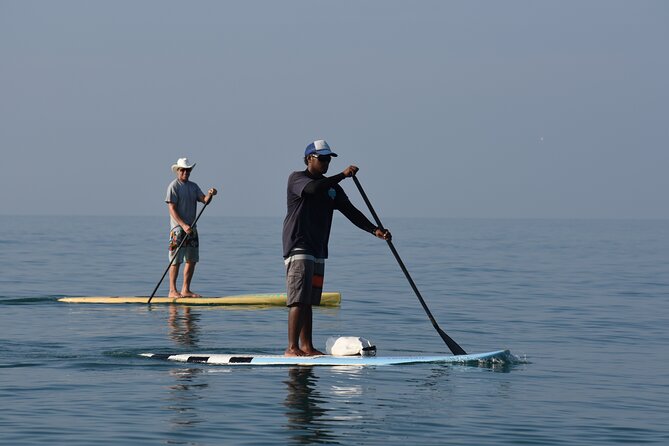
pixel 304 279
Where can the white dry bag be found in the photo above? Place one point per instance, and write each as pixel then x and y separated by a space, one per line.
pixel 349 346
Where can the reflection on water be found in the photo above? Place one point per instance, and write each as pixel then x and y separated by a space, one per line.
pixel 349 389
pixel 184 401
pixel 183 328
pixel 304 410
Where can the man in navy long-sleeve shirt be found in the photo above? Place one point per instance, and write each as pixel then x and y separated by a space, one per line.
pixel 311 200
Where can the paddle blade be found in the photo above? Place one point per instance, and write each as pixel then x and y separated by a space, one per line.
pixel 452 345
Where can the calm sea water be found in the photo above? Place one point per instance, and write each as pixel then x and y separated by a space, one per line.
pixel 586 303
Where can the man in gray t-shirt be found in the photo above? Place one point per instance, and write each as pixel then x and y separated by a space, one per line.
pixel 182 197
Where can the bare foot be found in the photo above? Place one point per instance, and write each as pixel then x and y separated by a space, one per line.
pixel 174 294
pixel 312 352
pixel 189 294
pixel 293 352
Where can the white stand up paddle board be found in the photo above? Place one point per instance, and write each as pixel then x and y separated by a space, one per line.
pixel 495 357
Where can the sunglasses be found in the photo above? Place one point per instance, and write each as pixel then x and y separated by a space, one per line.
pixel 185 170
pixel 323 158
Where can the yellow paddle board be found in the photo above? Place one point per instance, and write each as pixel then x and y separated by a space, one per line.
pixel 331 299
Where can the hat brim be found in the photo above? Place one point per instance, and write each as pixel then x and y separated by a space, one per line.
pixel 176 167
pixel 321 152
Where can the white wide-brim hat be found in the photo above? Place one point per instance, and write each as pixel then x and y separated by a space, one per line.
pixel 182 163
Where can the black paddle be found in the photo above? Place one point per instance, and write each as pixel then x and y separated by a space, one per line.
pixel 455 348
pixel 177 251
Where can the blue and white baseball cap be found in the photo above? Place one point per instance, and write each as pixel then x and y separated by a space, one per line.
pixel 319 147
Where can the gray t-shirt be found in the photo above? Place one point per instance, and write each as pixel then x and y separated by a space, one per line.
pixel 185 196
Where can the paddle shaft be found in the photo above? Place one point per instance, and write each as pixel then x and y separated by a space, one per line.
pixel 452 345
pixel 177 251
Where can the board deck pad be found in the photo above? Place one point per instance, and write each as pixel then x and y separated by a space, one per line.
pixel 494 357
pixel 331 299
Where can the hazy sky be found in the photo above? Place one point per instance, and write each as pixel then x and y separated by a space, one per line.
pixel 450 109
